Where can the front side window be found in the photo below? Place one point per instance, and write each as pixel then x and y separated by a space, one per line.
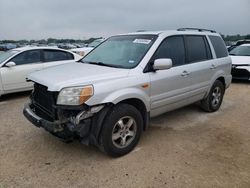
pixel 241 51
pixel 121 51
pixel 171 48
pixel 27 57
pixel 56 55
pixel 6 55
pixel 196 49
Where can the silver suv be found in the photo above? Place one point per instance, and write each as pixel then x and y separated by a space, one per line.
pixel 107 98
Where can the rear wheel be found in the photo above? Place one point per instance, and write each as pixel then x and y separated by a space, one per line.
pixel 214 99
pixel 121 130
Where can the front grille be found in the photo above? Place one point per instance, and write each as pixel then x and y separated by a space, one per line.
pixel 44 101
pixel 240 73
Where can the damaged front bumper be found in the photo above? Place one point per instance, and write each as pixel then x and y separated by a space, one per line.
pixel 84 125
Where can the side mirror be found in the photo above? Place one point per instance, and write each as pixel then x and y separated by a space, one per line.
pixel 162 64
pixel 10 64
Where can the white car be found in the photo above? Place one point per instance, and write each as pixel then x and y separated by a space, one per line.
pixel 16 64
pixel 85 50
pixel 241 62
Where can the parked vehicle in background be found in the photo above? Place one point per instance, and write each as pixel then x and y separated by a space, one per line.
pixel 238 43
pixel 241 62
pixel 9 46
pixel 85 50
pixel 16 64
pixel 108 97
pixel 66 46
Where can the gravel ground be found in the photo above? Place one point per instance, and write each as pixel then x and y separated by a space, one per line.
pixel 183 148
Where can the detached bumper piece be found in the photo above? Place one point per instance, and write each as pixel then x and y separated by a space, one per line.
pixel 55 128
pixel 240 73
pixel 52 127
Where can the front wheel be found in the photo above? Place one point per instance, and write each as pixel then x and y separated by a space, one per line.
pixel 214 99
pixel 121 130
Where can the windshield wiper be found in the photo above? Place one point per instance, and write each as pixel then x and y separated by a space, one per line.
pixel 103 64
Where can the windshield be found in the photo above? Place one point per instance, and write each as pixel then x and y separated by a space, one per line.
pixel 6 55
pixel 121 51
pixel 95 43
pixel 240 51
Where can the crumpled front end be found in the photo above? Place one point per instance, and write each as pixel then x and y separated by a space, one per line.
pixel 65 122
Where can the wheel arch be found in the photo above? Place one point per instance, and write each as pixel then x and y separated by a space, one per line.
pixel 222 79
pixel 140 106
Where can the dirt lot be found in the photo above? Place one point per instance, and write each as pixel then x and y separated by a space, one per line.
pixel 184 148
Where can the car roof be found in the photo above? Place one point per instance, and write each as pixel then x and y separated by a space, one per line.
pixel 173 32
pixel 37 48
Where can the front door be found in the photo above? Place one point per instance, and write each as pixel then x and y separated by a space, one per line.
pixel 170 88
pixel 14 78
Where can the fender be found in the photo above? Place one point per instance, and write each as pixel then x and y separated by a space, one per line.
pixel 123 94
pixel 217 75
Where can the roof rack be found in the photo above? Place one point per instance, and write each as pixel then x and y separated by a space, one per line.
pixel 198 29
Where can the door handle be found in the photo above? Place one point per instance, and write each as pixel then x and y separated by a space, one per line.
pixel 185 73
pixel 213 66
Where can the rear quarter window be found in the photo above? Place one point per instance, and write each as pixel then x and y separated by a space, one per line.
pixel 219 46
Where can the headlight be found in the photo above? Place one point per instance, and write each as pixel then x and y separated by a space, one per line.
pixel 75 95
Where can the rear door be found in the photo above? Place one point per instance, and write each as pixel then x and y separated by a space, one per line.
pixel 14 78
pixel 56 57
pixel 170 88
pixel 199 59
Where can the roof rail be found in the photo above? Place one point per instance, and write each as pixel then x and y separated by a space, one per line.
pixel 198 29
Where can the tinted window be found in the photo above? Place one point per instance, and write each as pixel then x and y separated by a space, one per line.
pixel 196 49
pixel 57 55
pixel 172 48
pixel 219 46
pixel 33 56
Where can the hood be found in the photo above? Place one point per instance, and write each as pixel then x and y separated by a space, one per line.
pixel 75 74
pixel 240 60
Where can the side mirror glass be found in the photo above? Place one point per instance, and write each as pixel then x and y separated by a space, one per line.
pixel 162 64
pixel 10 64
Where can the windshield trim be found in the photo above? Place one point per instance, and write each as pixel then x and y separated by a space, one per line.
pixel 135 35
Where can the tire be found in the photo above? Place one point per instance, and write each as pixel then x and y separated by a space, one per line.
pixel 121 130
pixel 215 97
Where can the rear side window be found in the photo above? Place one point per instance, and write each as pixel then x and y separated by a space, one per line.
pixel 57 55
pixel 197 49
pixel 172 48
pixel 219 46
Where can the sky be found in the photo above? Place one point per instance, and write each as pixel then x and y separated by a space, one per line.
pixel 81 19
